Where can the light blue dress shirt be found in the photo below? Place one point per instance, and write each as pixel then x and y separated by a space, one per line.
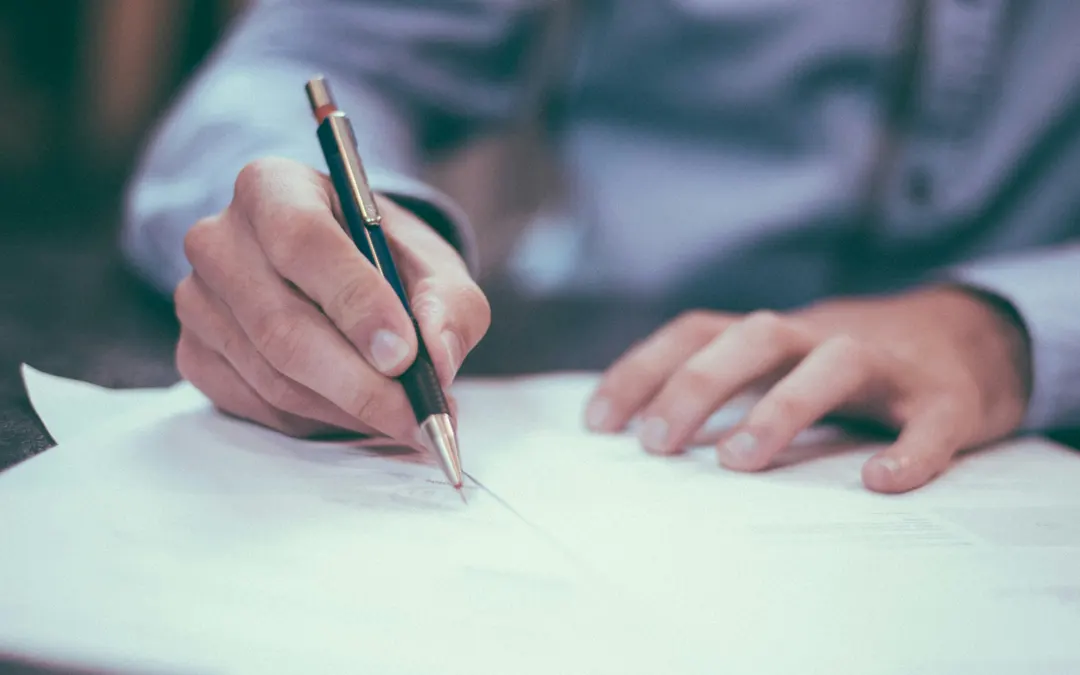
pixel 733 154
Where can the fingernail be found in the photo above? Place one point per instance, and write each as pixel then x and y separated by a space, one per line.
pixel 654 434
pixel 888 464
pixel 882 470
pixel 596 415
pixel 740 448
pixel 452 344
pixel 388 350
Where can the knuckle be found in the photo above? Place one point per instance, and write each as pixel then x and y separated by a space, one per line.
pixel 475 309
pixel 697 325
pixel 693 319
pixel 280 339
pixel 351 304
pixel 768 328
pixel 365 405
pixel 780 408
pixel 481 307
pixel 466 308
pixel 425 287
pixel 184 295
pixel 764 323
pixel 850 349
pixel 426 301
pixel 278 392
pixel 188 304
pixel 189 363
pixel 293 229
pixel 695 383
pixel 185 359
pixel 253 176
pixel 232 347
pixel 845 343
pixel 201 240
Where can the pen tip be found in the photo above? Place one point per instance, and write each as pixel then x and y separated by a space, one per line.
pixel 439 436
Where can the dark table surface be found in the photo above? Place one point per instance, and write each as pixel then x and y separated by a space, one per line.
pixel 69 307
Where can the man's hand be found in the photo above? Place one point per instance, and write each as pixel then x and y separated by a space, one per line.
pixel 284 322
pixel 942 366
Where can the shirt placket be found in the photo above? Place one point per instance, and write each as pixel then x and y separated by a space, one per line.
pixel 960 45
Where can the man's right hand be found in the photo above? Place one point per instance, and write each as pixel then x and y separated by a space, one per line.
pixel 284 322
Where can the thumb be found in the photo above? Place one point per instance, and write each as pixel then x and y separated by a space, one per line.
pixel 923 450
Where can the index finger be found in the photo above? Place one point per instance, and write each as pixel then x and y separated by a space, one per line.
pixel 289 208
pixel 636 377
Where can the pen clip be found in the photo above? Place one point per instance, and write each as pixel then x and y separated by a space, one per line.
pixel 341 128
pixel 338 125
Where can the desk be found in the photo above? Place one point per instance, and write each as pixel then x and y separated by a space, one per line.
pixel 67 306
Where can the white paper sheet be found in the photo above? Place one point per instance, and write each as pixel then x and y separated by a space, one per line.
pixel 179 537
pixel 69 408
pixel 796 569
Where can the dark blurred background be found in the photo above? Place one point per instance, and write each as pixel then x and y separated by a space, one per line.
pixel 81 81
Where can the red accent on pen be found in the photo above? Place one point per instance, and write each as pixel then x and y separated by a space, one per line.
pixel 324 111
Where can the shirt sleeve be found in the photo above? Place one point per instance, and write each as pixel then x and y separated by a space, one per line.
pixel 1044 288
pixel 415 77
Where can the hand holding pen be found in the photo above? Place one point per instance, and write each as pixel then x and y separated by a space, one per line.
pixel 363 221
pixel 286 323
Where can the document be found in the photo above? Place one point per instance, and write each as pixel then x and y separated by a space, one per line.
pixel 68 408
pixel 177 536
pixel 168 536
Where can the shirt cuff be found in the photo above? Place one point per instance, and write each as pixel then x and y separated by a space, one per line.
pixel 1043 289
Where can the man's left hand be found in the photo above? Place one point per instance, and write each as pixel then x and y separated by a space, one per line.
pixel 944 367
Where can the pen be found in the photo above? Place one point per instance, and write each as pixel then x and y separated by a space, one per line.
pixel 364 224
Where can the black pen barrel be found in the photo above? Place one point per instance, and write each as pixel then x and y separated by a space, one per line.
pixel 420 380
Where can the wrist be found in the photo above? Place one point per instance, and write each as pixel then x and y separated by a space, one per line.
pixel 993 340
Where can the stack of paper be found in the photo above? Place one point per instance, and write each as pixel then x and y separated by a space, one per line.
pixel 161 535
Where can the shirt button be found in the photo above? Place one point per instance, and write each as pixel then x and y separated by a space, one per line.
pixel 920 187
